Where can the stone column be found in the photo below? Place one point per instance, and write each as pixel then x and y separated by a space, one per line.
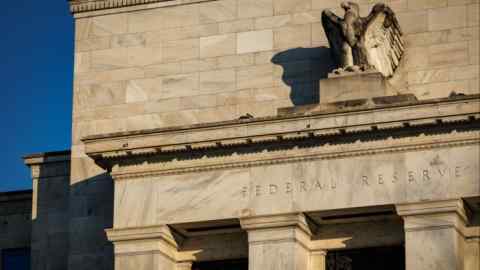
pixel 433 234
pixel 318 260
pixel 278 242
pixel 152 248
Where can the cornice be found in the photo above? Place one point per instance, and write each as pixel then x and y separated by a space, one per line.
pixel 275 128
pixel 291 156
pixel 84 6
pixel 276 140
pixel 47 157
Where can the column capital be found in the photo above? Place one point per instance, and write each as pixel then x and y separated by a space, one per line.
pixel 446 213
pixel 156 239
pixel 291 227
pixel 298 220
pixel 433 207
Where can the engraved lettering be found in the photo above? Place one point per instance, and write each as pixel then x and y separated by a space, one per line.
pixel 365 180
pixel 442 172
pixel 244 192
pixel 457 171
pixel 411 176
pixel 288 187
pixel 258 190
pixel 333 184
pixel 426 175
pixel 380 179
pixel 318 184
pixel 303 186
pixel 273 189
pixel 395 177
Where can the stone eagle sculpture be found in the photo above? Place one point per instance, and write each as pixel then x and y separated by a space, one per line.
pixel 363 43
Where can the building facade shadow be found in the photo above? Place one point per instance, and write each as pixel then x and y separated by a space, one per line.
pixel 303 68
pixel 68 220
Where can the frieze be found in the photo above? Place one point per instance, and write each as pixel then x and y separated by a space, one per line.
pixel 310 185
pixel 365 181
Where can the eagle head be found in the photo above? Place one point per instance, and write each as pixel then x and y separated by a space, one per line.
pixel 350 7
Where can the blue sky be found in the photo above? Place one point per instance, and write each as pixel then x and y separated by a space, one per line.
pixel 36 70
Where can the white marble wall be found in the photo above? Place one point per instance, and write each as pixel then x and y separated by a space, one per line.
pixel 402 177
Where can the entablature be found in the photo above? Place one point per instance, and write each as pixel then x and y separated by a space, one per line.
pixel 294 137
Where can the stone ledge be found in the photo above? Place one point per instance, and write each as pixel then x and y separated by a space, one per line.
pixel 286 139
pixel 353 104
pixel 84 6
pixel 132 234
pixel 47 157
pixel 246 132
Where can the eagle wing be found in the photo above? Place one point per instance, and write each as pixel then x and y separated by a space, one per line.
pixel 383 40
pixel 333 30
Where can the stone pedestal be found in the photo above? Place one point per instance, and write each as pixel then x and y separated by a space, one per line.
pixel 278 242
pixel 353 85
pixel 433 235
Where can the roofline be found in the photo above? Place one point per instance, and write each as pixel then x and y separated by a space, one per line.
pixel 16 195
pixel 47 157
pixel 47 154
pixel 14 192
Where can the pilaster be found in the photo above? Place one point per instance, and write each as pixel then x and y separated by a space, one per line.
pixel 434 237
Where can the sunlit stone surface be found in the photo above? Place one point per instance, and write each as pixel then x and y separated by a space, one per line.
pixel 209 134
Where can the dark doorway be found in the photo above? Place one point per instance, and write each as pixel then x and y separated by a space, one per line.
pixel 16 259
pixel 240 264
pixel 381 258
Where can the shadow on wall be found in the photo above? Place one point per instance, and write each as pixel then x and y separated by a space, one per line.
pixel 92 203
pixel 71 219
pixel 302 70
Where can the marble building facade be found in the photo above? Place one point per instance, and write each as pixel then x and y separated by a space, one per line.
pixel 207 135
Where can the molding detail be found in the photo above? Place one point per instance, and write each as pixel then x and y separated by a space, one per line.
pixel 435 215
pixel 141 171
pixel 287 139
pixel 82 6
pixel 272 229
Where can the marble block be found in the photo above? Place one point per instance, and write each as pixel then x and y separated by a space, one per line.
pixel 352 85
